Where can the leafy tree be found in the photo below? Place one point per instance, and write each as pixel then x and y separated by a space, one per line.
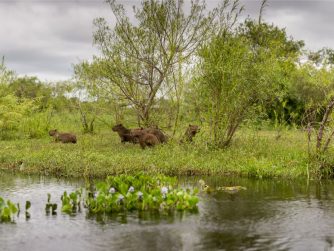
pixel 6 76
pixel 314 86
pixel 31 88
pixel 239 70
pixel 11 114
pixel 139 58
pixel 324 56
pixel 94 101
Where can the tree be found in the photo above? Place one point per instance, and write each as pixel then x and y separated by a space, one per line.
pixel 280 108
pixel 239 70
pixel 31 88
pixel 138 58
pixel 314 87
pixel 6 76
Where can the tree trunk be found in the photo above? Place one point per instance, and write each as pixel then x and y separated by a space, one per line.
pixel 324 121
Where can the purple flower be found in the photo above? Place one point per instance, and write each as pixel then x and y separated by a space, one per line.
pixel 120 198
pixel 164 190
pixel 131 189
pixel 140 195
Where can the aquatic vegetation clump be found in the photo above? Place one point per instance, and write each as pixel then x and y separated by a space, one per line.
pixel 28 205
pixel 71 202
pixel 50 206
pixel 231 190
pixel 7 210
pixel 140 192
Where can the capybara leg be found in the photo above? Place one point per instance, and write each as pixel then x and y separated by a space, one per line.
pixel 142 145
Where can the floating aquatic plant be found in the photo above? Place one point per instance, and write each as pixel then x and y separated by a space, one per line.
pixel 7 210
pixel 28 205
pixel 231 190
pixel 50 206
pixel 140 192
pixel 71 202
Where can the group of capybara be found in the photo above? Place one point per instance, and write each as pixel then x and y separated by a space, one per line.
pixel 146 137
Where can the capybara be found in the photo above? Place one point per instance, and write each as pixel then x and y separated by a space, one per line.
pixel 63 137
pixel 146 139
pixel 125 134
pixel 190 133
pixel 158 133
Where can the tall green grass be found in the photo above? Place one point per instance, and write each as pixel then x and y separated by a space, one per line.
pixel 253 154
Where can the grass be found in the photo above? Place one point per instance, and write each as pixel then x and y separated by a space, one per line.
pixel 252 154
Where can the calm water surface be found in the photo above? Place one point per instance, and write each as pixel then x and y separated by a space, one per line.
pixel 269 215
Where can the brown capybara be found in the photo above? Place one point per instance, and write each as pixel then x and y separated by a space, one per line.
pixel 133 131
pixel 146 139
pixel 158 133
pixel 125 134
pixel 63 137
pixel 190 133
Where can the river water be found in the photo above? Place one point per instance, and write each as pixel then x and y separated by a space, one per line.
pixel 269 215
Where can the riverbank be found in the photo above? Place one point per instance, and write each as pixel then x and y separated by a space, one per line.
pixel 253 154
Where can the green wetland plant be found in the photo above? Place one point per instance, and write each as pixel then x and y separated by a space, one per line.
pixel 28 205
pixel 50 206
pixel 7 210
pixel 71 202
pixel 140 192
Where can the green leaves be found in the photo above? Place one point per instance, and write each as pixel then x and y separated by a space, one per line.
pixel 50 206
pixel 71 202
pixel 28 204
pixel 140 192
pixel 118 194
pixel 7 210
pixel 240 70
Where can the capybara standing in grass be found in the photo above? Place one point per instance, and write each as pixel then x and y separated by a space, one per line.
pixel 158 133
pixel 125 134
pixel 63 137
pixel 190 133
pixel 145 138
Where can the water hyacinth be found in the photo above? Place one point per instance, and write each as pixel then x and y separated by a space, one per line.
pixel 7 210
pixel 164 190
pixel 154 193
pixel 120 197
pixel 112 190
pixel 131 189
pixel 140 195
pixel 71 202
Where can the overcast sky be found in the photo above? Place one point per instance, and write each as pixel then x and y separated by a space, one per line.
pixel 44 38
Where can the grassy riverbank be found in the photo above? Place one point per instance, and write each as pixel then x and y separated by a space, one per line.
pixel 253 154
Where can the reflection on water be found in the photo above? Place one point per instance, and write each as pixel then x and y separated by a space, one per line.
pixel 269 215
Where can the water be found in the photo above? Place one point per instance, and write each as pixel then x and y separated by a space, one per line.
pixel 269 215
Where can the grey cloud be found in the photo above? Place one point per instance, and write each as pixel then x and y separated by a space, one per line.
pixel 45 37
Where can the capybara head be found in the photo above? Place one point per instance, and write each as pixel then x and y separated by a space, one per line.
pixel 118 127
pixel 193 129
pixel 53 132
